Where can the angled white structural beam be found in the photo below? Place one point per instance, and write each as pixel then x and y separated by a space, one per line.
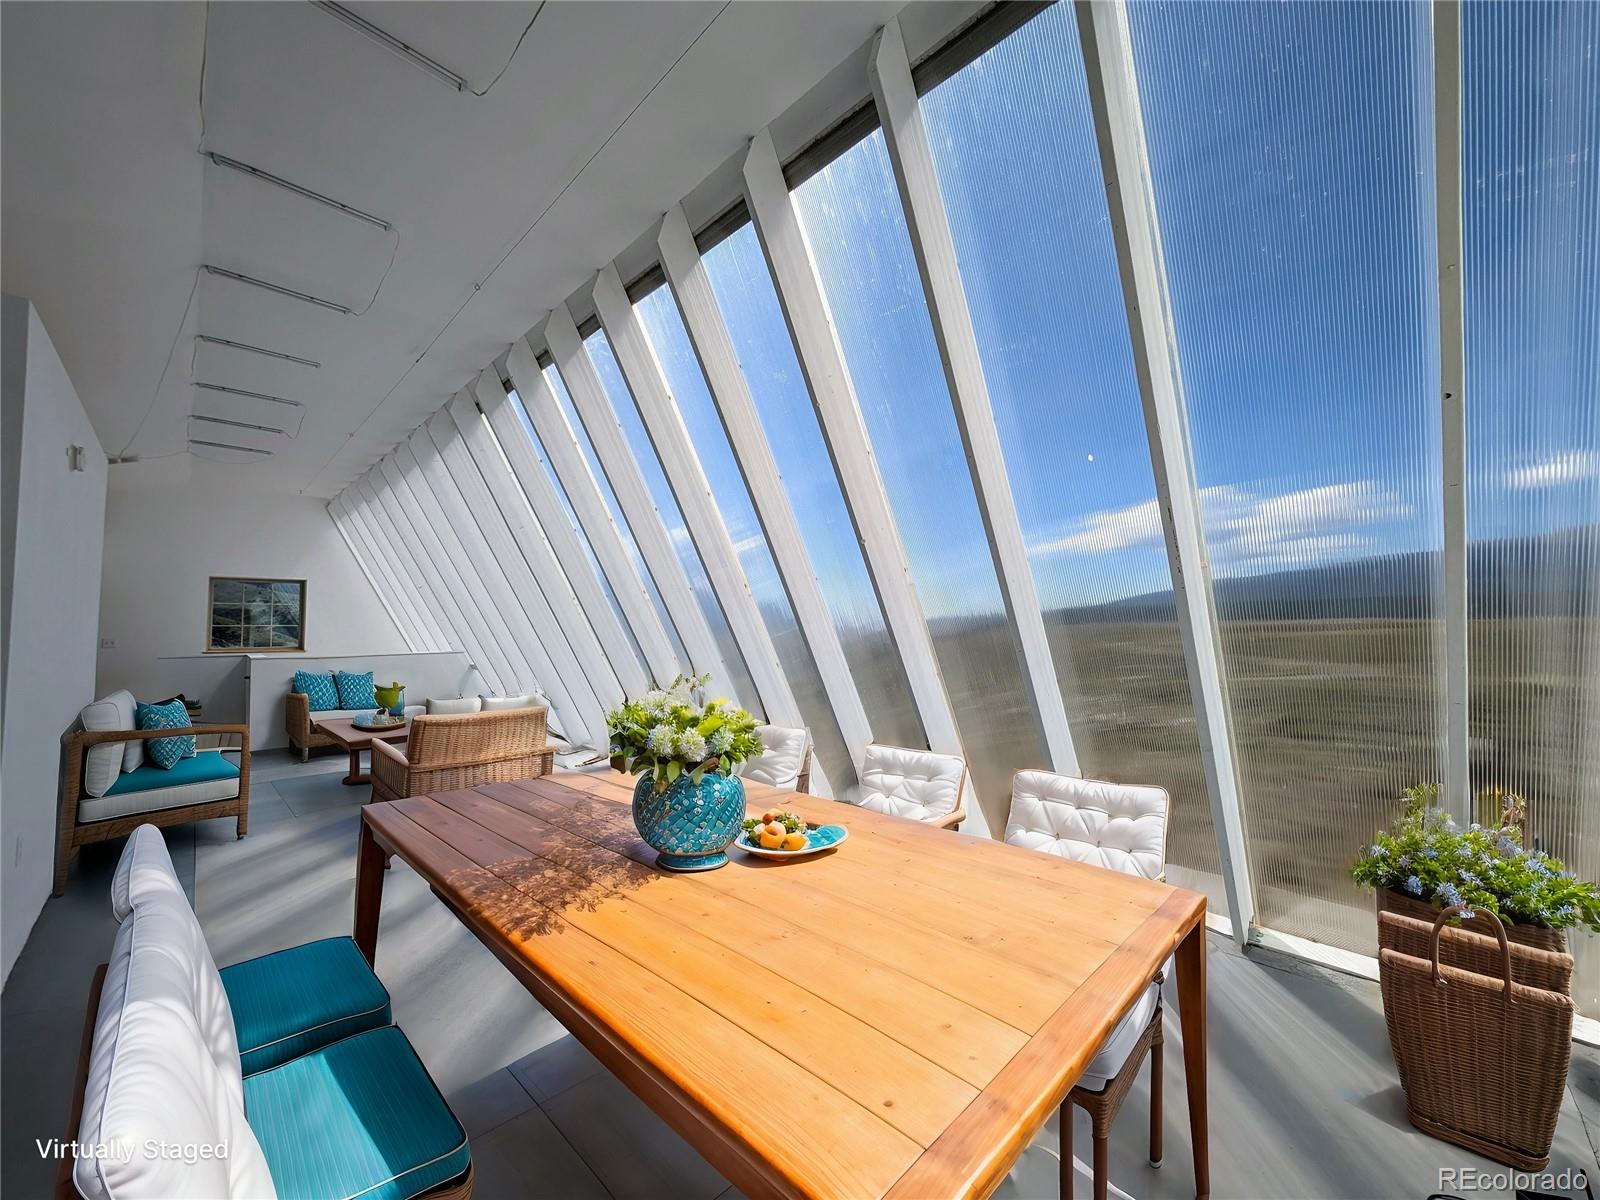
pixel 692 490
pixel 540 557
pixel 457 605
pixel 708 333
pixel 567 460
pixel 515 673
pixel 638 508
pixel 402 566
pixel 1452 400
pixel 392 571
pixel 551 518
pixel 1119 132
pixel 369 567
pixel 915 176
pixel 821 359
pixel 491 566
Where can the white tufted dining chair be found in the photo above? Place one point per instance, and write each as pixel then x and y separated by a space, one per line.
pixel 786 761
pixel 916 784
pixel 1122 827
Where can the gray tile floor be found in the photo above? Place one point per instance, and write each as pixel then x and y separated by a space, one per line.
pixel 1304 1100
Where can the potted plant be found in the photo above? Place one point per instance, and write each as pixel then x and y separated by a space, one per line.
pixel 687 803
pixel 1427 863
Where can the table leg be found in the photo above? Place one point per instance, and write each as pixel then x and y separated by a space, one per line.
pixel 1192 1016
pixel 370 864
pixel 354 774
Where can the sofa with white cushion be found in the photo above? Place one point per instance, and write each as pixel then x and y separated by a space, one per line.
pixel 108 788
pixel 280 1076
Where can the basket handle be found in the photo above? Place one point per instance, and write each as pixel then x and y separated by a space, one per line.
pixel 1499 932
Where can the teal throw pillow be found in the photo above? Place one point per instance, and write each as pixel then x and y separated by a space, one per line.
pixel 319 690
pixel 165 752
pixel 355 691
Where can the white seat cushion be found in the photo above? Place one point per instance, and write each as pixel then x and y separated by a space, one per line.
pixel 125 804
pixel 512 703
pixel 1119 1043
pixel 456 707
pixel 1115 825
pixel 103 763
pixel 153 1078
pixel 782 761
pixel 917 784
pixel 144 870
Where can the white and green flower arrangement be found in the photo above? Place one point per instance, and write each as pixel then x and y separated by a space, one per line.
pixel 674 731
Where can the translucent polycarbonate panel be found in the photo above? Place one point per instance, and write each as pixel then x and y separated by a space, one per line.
pixel 568 410
pixel 856 234
pixel 1014 145
pixel 1292 162
pixel 1530 84
pixel 567 509
pixel 670 340
pixel 644 454
pixel 760 337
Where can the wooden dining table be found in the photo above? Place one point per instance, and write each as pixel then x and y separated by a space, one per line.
pixel 896 1017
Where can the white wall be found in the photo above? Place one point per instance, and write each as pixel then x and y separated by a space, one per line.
pixel 163 544
pixel 53 531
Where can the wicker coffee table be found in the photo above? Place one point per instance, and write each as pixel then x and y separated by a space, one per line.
pixel 343 731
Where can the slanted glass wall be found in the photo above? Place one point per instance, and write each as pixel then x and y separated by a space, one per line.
pixel 644 454
pixel 857 238
pixel 664 327
pixel 1014 145
pixel 1530 84
pixel 1292 158
pixel 760 337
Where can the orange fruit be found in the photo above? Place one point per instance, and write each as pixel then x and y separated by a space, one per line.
pixel 774 828
pixel 794 841
pixel 771 841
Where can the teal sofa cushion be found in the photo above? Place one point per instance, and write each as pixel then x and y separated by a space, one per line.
pixel 301 999
pixel 355 691
pixel 360 1118
pixel 166 752
pixel 320 693
pixel 199 768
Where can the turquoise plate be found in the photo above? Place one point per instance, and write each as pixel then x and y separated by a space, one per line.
pixel 819 838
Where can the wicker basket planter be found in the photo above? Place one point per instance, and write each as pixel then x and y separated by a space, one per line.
pixel 1537 936
pixel 1482 1058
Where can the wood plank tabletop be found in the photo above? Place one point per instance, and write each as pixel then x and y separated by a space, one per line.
pixel 896 1017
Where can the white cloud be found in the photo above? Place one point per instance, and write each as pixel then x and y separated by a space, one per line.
pixel 1244 527
pixel 1571 467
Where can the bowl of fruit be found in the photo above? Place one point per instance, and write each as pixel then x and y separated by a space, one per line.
pixel 779 833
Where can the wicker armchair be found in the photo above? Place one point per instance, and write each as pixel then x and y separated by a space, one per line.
pixel 443 753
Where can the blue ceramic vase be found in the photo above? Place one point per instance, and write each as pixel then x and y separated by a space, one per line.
pixel 690 825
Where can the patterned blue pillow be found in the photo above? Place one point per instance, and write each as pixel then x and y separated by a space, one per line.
pixel 165 752
pixel 355 691
pixel 319 690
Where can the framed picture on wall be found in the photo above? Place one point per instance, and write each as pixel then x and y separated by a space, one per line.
pixel 255 616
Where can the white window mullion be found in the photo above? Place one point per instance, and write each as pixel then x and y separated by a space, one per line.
pixel 1119 132
pixel 900 116
pixel 369 567
pixel 440 575
pixel 702 318
pixel 574 718
pixel 567 460
pixel 496 407
pixel 515 673
pixel 638 508
pixel 692 490
pixel 821 359
pixel 530 537
pixel 400 564
pixel 383 563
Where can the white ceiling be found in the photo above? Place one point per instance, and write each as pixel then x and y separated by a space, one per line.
pixel 502 205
